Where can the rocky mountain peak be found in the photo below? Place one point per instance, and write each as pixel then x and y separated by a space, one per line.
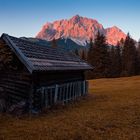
pixel 80 30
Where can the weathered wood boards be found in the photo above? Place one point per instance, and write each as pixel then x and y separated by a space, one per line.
pixel 63 93
pixel 16 86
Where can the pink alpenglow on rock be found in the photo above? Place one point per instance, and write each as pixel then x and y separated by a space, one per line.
pixel 80 30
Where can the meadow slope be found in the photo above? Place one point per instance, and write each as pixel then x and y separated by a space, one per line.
pixel 110 112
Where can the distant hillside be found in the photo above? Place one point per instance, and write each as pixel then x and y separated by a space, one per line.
pixel 67 44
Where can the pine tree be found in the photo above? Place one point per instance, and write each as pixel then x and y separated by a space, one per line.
pixel 90 54
pixel 54 43
pixel 115 59
pixel 76 52
pixel 98 56
pixel 83 54
pixel 90 51
pixel 129 57
pixel 121 42
pixel 112 62
pixel 118 61
pixel 138 59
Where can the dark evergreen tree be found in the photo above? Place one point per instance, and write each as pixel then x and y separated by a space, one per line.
pixel 115 59
pixel 138 59
pixel 98 57
pixel 112 62
pixel 77 52
pixel 90 54
pixel 118 61
pixel 121 42
pixel 91 43
pixel 129 57
pixel 54 43
pixel 90 51
pixel 83 54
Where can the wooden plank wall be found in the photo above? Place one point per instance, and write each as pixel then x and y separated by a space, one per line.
pixel 16 85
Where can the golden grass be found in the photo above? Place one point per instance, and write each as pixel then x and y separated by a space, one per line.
pixel 110 112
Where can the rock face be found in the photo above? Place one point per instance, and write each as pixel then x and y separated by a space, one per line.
pixel 80 30
pixel 114 34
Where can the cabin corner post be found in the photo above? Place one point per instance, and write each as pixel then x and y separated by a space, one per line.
pixel 31 95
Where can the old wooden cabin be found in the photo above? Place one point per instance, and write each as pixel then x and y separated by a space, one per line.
pixel 38 74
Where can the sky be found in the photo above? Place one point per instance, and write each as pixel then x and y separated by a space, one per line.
pixel 26 17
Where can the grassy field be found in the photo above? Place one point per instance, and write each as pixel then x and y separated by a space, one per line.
pixel 110 112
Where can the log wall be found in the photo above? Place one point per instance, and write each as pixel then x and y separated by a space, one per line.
pixel 16 86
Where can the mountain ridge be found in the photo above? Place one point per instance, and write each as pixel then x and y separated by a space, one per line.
pixel 80 30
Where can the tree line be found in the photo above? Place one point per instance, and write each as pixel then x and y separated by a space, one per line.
pixel 112 61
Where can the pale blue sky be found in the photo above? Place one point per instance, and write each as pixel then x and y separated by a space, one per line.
pixel 26 17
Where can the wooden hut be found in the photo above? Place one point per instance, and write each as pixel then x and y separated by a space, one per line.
pixel 38 74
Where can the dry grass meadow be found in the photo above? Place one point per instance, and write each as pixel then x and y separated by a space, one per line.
pixel 110 112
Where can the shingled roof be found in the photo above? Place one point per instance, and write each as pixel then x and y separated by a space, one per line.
pixel 39 58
